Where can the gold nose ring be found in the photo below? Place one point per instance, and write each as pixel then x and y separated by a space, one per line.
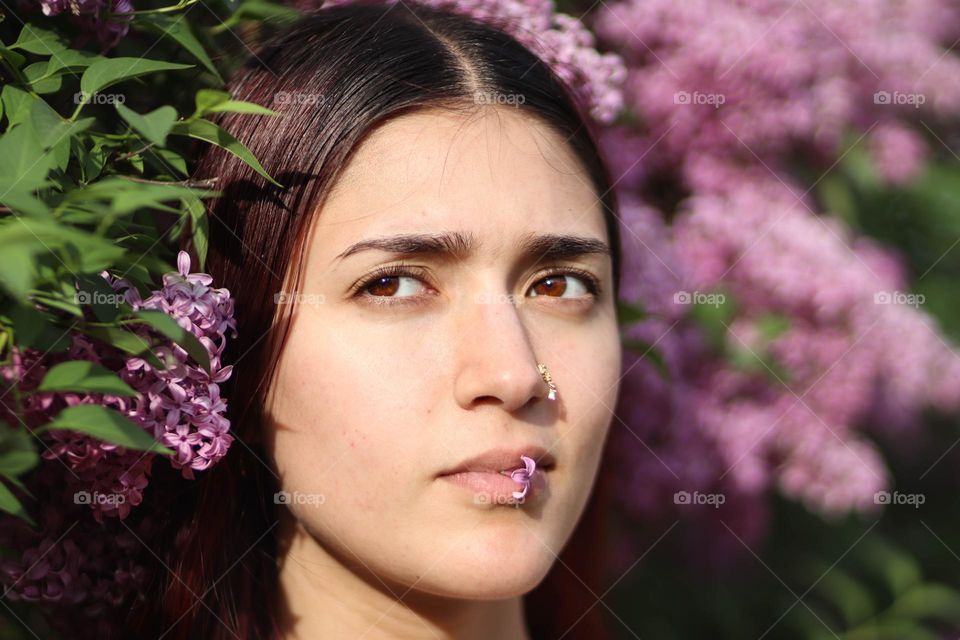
pixel 545 374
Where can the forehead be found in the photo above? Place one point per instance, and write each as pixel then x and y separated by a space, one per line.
pixel 496 173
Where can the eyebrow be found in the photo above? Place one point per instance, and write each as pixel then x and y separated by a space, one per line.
pixel 458 245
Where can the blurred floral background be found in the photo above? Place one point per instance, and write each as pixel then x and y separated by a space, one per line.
pixel 789 177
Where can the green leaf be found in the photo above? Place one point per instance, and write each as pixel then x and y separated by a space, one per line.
pixel 214 101
pixel 167 161
pixel 258 10
pixel 35 329
pixel 210 132
pixel 39 41
pixel 84 376
pixel 70 60
pixel 629 313
pixel 16 104
pixel 10 504
pixel 199 228
pixel 17 455
pixel 207 99
pixel 13 58
pixel 153 126
pixel 40 81
pixel 107 424
pixel 24 162
pixel 179 30
pixel 126 341
pixel 169 328
pixel 23 201
pixel 55 132
pixel 240 106
pixel 847 594
pixel 105 73
pixel 929 601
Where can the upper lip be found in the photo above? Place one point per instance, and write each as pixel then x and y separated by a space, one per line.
pixel 503 459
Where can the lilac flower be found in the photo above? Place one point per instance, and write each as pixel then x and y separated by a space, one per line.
pixel 765 79
pixel 180 406
pixel 523 476
pixel 92 17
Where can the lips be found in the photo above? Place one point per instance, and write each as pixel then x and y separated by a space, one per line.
pixel 487 475
pixel 503 459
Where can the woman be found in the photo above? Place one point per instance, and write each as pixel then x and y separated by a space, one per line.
pixel 445 227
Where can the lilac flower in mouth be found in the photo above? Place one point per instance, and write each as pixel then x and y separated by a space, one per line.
pixel 523 476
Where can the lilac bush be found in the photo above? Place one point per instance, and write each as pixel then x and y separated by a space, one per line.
pixel 179 406
pixel 725 100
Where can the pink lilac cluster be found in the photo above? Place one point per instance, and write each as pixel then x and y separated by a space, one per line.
pixel 180 406
pixel 92 17
pixel 763 80
pixel 726 99
pixel 853 352
pixel 560 40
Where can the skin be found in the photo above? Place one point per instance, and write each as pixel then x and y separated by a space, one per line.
pixel 378 391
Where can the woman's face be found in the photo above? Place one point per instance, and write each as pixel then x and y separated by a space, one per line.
pixel 383 386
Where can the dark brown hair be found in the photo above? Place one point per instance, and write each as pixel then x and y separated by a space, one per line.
pixel 342 72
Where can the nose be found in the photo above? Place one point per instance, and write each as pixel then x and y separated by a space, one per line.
pixel 496 361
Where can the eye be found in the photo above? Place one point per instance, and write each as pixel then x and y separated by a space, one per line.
pixel 391 282
pixel 570 284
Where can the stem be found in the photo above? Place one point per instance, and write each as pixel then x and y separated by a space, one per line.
pixel 130 154
pixel 170 9
pixel 191 184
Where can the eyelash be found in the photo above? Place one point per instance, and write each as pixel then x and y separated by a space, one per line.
pixel 592 283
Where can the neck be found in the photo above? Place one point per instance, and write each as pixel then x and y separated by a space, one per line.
pixel 323 597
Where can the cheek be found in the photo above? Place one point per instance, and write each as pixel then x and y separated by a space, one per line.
pixel 339 418
pixel 593 374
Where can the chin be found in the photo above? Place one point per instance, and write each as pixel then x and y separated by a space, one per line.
pixel 481 569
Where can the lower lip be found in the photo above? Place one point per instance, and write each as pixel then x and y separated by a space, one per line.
pixel 494 488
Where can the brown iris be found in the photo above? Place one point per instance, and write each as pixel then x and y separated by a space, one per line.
pixel 554 285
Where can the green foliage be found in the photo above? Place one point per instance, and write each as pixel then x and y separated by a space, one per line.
pixel 94 177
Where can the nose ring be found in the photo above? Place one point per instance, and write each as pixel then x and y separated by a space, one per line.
pixel 545 374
